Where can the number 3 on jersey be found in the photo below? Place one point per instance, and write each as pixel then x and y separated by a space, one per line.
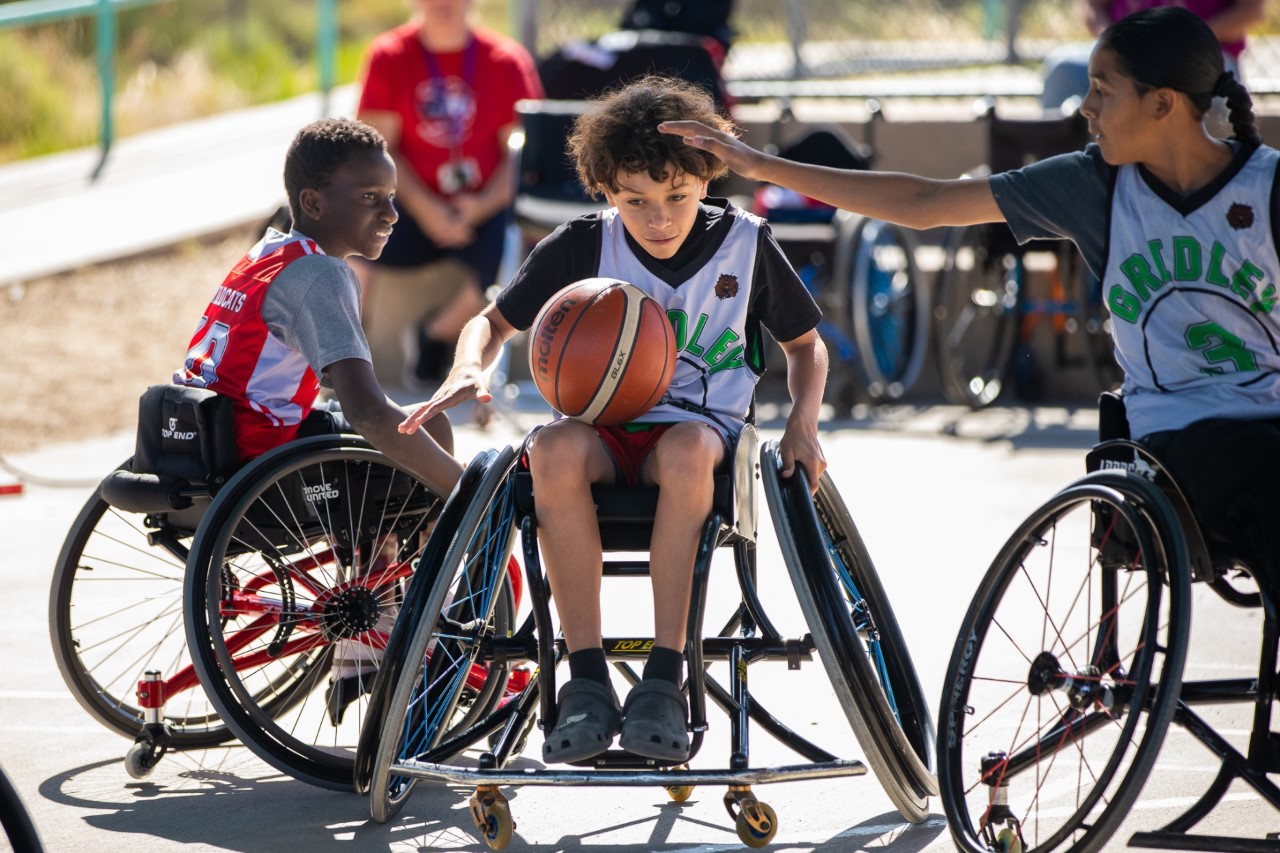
pixel 1218 346
pixel 203 357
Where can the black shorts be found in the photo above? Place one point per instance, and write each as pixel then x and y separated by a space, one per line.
pixel 409 247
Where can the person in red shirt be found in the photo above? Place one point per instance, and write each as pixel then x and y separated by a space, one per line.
pixel 443 93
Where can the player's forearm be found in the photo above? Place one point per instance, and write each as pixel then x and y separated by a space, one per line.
pixel 807 366
pixel 417 451
pixel 909 200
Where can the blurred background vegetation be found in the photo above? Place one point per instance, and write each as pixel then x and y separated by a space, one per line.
pixel 184 59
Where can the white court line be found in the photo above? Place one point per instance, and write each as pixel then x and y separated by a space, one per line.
pixel 35 694
pixel 53 729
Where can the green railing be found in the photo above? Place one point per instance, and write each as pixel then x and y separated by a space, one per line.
pixel 28 12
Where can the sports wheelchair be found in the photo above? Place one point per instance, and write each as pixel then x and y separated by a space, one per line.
pixel 287 572
pixel 1068 668
pixel 984 314
pixel 428 709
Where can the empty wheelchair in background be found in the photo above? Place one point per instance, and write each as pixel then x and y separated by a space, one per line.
pixel 286 572
pixel 1068 668
pixel 861 271
pixel 984 315
pixel 424 719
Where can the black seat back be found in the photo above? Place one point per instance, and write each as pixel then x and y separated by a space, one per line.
pixel 185 441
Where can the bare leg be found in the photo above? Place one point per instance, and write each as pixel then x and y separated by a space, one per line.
pixel 565 458
pixel 682 465
pixel 447 322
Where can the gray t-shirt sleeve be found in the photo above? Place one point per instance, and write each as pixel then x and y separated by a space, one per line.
pixel 1064 196
pixel 313 306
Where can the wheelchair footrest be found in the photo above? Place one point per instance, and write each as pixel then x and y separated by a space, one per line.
pixel 621 778
pixel 1219 843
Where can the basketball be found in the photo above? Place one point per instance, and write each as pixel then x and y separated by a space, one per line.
pixel 601 351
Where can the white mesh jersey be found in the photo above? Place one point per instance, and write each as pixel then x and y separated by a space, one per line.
pixel 719 351
pixel 1192 289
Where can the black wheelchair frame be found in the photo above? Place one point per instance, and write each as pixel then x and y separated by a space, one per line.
pixel 424 715
pixel 1138 524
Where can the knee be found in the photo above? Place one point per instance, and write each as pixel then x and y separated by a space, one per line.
pixel 559 452
pixel 688 455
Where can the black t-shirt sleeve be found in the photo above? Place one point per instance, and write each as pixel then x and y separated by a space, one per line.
pixel 779 298
pixel 568 254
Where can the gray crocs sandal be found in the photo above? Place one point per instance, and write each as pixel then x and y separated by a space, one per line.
pixel 656 723
pixel 586 724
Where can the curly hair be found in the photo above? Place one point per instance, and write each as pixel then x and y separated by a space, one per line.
pixel 320 149
pixel 619 133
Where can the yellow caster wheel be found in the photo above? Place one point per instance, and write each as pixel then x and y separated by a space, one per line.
pixel 680 793
pixel 492 816
pixel 757 823
pixel 1007 841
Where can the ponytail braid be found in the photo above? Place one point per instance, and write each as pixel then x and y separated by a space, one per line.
pixel 1244 126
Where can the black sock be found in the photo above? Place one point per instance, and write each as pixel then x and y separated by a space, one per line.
pixel 666 664
pixel 589 663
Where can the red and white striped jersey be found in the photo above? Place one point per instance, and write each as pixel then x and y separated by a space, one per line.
pixel 234 353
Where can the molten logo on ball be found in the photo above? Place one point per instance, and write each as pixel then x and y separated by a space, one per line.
pixel 602 351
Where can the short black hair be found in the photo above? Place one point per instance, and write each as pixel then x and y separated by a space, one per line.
pixel 320 149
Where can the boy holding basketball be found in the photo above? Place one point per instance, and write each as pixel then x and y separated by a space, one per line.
pixel 721 278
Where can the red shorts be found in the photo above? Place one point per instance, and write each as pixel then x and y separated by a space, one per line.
pixel 630 446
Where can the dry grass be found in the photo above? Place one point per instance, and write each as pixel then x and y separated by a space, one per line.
pixel 79 348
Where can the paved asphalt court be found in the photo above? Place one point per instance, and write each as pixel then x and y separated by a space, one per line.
pixel 934 490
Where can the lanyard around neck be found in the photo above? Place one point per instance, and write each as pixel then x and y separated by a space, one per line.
pixel 440 95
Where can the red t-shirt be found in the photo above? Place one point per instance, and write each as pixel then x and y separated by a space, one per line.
pixel 476 99
pixel 1205 9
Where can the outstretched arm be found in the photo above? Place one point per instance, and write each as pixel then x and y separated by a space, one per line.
pixel 478 346
pixel 908 200
pixel 426 454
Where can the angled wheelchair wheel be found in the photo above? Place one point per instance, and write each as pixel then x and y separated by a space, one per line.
pixel 889 307
pixel 293 583
pixel 486 693
pixel 1066 671
pixel 115 611
pixel 440 690
pixel 975 316
pixel 856 633
pixel 18 827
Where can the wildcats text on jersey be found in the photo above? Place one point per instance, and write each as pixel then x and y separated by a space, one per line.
pixel 232 300
pixel 1187 261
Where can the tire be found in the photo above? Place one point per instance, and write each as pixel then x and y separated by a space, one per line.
pixel 975 310
pixel 294 581
pixel 419 591
pixel 1070 596
pixel 18 827
pixel 115 611
pixel 430 698
pixel 856 634
pixel 889 307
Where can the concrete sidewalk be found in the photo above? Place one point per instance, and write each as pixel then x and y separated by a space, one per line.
pixel 155 189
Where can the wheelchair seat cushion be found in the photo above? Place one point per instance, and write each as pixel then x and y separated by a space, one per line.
pixel 587 722
pixel 185 433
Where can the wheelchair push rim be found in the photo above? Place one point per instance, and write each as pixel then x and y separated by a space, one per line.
pixel 857 636
pixel 431 697
pixel 293 583
pixel 1066 671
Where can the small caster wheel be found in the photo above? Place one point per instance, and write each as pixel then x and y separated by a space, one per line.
pixel 1007 841
pixel 679 793
pixel 757 824
pixel 140 760
pixel 492 816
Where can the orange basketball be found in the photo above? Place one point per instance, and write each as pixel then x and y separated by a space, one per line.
pixel 601 351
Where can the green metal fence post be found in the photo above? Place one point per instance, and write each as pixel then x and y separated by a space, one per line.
pixel 106 42
pixel 326 40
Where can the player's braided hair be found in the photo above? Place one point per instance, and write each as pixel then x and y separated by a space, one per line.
pixel 320 149
pixel 1169 47
pixel 619 132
